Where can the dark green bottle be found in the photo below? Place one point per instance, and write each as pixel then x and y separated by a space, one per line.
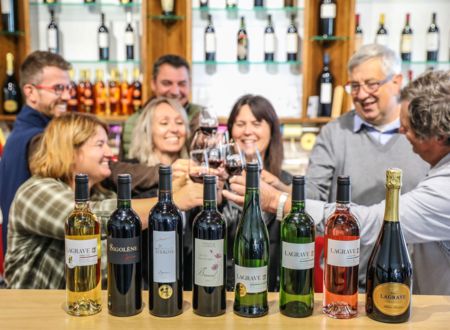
pixel 297 256
pixel 251 253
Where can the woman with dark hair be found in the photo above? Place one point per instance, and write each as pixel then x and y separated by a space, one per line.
pixel 254 122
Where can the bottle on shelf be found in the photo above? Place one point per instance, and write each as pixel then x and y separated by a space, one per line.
pixel 259 3
pixel 125 2
pixel 389 271
pixel 209 241
pixel 168 7
pixel 269 41
pixel 231 4
pixel 114 93
pixel 242 42
pixel 327 18
pixel 251 253
pixel 325 88
pixel 80 89
pixel 297 256
pixel 359 36
pixel 210 41
pixel 290 3
pixel 126 94
pixel 82 254
pixel 129 38
pixel 11 92
pixel 9 15
pixel 124 244
pixel 136 90
pixel 341 250
pixel 88 97
pixel 406 40
pixel 50 2
pixel 165 251
pixel 204 3
pixel 103 40
pixel 292 41
pixel 433 40
pixel 72 103
pixel 52 34
pixel 381 37
pixel 100 93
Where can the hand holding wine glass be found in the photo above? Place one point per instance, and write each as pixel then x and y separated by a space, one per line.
pixel 234 159
pixel 198 165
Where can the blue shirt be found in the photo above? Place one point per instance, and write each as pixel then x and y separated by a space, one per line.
pixel 375 133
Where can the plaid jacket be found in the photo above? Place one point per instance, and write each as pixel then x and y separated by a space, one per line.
pixel 35 256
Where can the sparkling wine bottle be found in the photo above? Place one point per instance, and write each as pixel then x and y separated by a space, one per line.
pixel 389 271
pixel 11 91
pixel 359 36
pixel 327 18
pixel 210 41
pixel 165 251
pixel 269 40
pixel 209 237
pixel 82 254
pixel 341 251
pixel 325 88
pixel 292 41
pixel 381 37
pixel 251 253
pixel 103 40
pixel 129 39
pixel 406 40
pixel 124 254
pixel 242 42
pixel 433 40
pixel 297 256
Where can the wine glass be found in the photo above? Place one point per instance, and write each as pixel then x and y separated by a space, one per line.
pixel 252 155
pixel 234 159
pixel 208 122
pixel 198 165
pixel 215 150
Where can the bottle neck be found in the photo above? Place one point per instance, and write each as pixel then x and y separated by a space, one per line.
pixel 342 206
pixel 123 203
pixel 165 196
pixel 81 205
pixel 392 202
pixel 209 205
pixel 298 206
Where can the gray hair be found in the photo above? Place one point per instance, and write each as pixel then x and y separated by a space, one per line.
pixel 390 61
pixel 142 147
pixel 429 107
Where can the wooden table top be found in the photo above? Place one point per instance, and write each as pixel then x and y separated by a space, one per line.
pixel 39 309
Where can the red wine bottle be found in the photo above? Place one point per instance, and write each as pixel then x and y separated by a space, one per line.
pixel 325 88
pixel 327 18
pixel 129 39
pixel 242 41
pixel 209 239
pixel 381 37
pixel 292 41
pixel 52 34
pixel 269 40
pixel 210 41
pixel 406 41
pixel 103 40
pixel 124 254
pixel 433 40
pixel 165 248
pixel 341 251
pixel 9 15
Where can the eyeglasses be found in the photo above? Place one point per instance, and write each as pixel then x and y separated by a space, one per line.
pixel 57 89
pixel 370 87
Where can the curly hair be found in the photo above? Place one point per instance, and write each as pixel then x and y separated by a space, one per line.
pixel 429 104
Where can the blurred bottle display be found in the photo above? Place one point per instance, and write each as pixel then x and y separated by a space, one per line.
pixel 126 94
pixel 325 88
pixel 327 12
pixel 11 92
pixel 129 39
pixel 292 40
pixel 88 97
pixel 103 40
pixel 72 104
pixel 381 37
pixel 433 40
pixel 210 41
pixel 114 93
pixel 359 36
pixel 242 42
pixel 9 15
pixel 100 92
pixel 406 40
pixel 269 41
pixel 137 90
pixel 52 34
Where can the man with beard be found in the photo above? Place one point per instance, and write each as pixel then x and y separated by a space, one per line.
pixel 366 141
pixel 45 85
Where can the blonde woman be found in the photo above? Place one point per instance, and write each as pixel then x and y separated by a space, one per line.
pixel 73 143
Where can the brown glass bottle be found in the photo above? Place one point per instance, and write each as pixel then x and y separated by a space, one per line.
pixel 88 99
pixel 72 103
pixel 137 91
pixel 100 93
pixel 114 93
pixel 80 90
pixel 126 95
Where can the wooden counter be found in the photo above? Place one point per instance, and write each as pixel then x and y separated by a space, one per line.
pixel 43 309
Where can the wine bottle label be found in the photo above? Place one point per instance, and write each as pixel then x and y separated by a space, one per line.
pixel 326 90
pixel 103 41
pixel 82 252
pixel 406 44
pixel 129 38
pixel 123 251
pixel 242 48
pixel 10 106
pixel 292 43
pixel 52 39
pixel 297 256
pixel 164 256
pixel 343 253
pixel 6 8
pixel 167 5
pixel 250 279
pixel 328 10
pixel 210 42
pixel 392 298
pixel 208 262
pixel 269 43
pixel 432 41
pixel 381 39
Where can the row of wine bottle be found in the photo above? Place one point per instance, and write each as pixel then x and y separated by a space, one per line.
pixel 389 275
pixel 292 41
pixel 406 42
pixel 233 4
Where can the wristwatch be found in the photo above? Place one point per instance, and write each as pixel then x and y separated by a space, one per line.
pixel 280 209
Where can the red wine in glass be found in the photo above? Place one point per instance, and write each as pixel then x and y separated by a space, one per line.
pixel 215 163
pixel 233 169
pixel 196 178
pixel 208 130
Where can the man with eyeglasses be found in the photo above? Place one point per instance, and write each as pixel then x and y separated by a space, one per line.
pixel 366 141
pixel 44 81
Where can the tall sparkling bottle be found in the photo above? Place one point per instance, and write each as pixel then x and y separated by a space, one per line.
pixel 83 252
pixel 297 256
pixel 389 271
pixel 251 253
pixel 341 251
